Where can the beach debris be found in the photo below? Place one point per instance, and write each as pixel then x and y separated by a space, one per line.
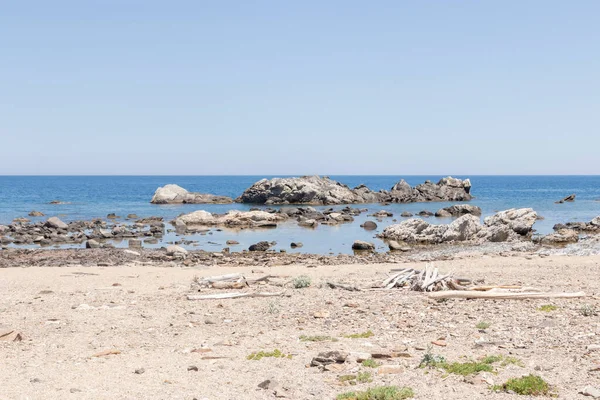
pixel 105 353
pixel 427 280
pixel 9 335
pixel 329 357
pixel 344 286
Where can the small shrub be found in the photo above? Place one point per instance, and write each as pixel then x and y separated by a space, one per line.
pixel 588 310
pixel 317 338
pixel 547 308
pixel 273 308
pixel 262 354
pixel 483 325
pixel 530 385
pixel 301 282
pixel 361 377
pixel 470 367
pixel 430 360
pixel 370 363
pixel 363 335
pixel 379 393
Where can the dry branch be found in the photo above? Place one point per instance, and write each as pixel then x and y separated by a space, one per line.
pixel 468 294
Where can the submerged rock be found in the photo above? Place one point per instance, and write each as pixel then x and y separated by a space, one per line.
pixel 560 237
pixel 174 194
pixel 36 214
pixel 588 227
pixel 362 245
pixel 234 218
pixel 260 246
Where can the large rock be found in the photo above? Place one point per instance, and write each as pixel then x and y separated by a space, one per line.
pixel 260 246
pixel 56 223
pixel 561 237
pixel 314 190
pixel 233 218
pixel 447 189
pixel 174 194
pixel 519 220
pixel 507 225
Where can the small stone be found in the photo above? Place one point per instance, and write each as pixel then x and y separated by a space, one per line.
pixel 75 390
pixel 390 369
pixel 321 314
pixel 441 343
pixel 210 321
pixel 591 391
pixel 174 250
pixel 269 384
pixel 369 225
pixel 140 371
pixel 192 368
pixel 232 242
pixel 593 347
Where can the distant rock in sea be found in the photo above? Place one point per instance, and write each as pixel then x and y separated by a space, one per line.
pixel 174 194
pixel 569 198
pixel 447 189
pixel 316 190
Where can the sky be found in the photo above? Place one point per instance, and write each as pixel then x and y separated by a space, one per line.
pixel 334 87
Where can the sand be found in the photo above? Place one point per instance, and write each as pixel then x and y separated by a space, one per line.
pixel 185 349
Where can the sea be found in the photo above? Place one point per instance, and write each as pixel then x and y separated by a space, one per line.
pixel 89 197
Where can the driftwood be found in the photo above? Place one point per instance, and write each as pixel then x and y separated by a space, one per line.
pixel 468 294
pixel 228 285
pixel 427 280
pixel 231 295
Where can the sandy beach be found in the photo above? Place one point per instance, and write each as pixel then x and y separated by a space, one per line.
pixel 169 347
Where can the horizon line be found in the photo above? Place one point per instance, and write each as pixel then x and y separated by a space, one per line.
pixel 283 175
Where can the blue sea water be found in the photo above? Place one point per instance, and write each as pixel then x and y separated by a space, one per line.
pixel 90 197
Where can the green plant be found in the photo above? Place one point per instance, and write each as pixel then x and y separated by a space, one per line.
pixel 302 281
pixel 430 360
pixel 547 308
pixel 317 338
pixel 363 335
pixel 262 354
pixel 588 310
pixel 273 308
pixel 370 363
pixel 361 377
pixel 530 385
pixel 379 393
pixel 483 325
pixel 469 367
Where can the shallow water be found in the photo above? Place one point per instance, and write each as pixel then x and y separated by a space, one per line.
pixel 97 196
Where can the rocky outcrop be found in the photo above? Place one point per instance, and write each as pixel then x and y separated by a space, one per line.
pixel 507 225
pixel 458 210
pixel 312 190
pixel 234 218
pixel 447 189
pixel 317 190
pixel 519 220
pixel 586 227
pixel 174 194
pixel 569 198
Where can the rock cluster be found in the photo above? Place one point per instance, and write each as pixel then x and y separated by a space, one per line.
pixel 458 210
pixel 587 227
pixel 174 194
pixel 504 226
pixel 56 232
pixel 317 190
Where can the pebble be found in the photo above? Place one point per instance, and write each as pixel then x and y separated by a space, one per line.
pixel 390 369
pixel 192 368
pixel 268 384
pixel 140 371
pixel 591 391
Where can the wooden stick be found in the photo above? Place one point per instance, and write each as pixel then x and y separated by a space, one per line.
pixel 484 288
pixel 218 278
pixel 467 294
pixel 230 295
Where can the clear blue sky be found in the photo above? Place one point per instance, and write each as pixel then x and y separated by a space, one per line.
pixel 300 87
